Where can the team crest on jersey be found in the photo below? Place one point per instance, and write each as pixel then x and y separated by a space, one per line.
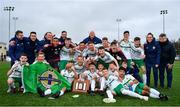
pixel 49 78
pixel 154 47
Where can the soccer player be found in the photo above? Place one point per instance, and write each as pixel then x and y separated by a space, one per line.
pixel 105 44
pixel 101 79
pixel 137 54
pixel 105 58
pixel 130 83
pixel 113 69
pixel 92 76
pixel 91 52
pixel 14 74
pixel 69 73
pixel 52 52
pixel 79 65
pixel 115 87
pixel 132 70
pixel 117 53
pixel 56 90
pixel 65 53
pixel 80 49
pixel 125 45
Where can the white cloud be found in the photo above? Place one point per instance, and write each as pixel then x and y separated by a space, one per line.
pixel 79 17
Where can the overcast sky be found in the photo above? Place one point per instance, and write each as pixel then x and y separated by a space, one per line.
pixel 79 17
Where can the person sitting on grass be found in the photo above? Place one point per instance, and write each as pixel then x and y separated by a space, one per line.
pixel 130 83
pixel 14 74
pixel 115 87
pixel 69 73
pixel 92 76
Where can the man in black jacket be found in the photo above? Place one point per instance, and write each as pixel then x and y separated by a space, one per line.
pixel 168 54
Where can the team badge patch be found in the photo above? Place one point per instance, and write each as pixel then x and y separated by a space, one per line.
pixel 49 78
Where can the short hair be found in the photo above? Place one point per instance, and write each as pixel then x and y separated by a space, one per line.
pixel 137 39
pixel 68 39
pixel 40 53
pixel 80 56
pixel 112 62
pixel 92 63
pixel 81 43
pixel 150 34
pixel 100 64
pixel 55 38
pixel 104 38
pixel 162 35
pixel 126 32
pixel 101 47
pixel 64 31
pixel 90 42
pixel 23 54
pixel 18 31
pixel 32 32
pixel 47 33
pixel 122 68
pixel 113 43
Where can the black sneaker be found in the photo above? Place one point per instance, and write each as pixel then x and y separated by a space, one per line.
pixel 92 93
pixel 56 95
pixel 40 92
pixel 165 98
pixel 101 93
pixel 161 96
pixel 13 90
pixel 21 90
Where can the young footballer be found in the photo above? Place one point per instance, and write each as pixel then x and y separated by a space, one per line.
pixel 15 74
pixel 130 83
pixel 101 78
pixel 115 87
pixel 92 76
pixel 137 54
pixel 79 65
pixel 69 73
pixel 65 53
pixel 52 52
pixel 125 45
pixel 105 58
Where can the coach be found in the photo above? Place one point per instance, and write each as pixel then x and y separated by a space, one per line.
pixel 92 38
pixel 152 51
pixel 16 46
pixel 168 55
pixel 31 47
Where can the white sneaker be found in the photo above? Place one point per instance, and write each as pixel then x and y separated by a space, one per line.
pixel 109 100
pixel 145 98
pixel 9 90
pixel 51 98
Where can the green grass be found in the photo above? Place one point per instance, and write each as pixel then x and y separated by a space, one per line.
pixel 84 99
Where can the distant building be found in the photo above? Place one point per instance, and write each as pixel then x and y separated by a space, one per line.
pixel 3 49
